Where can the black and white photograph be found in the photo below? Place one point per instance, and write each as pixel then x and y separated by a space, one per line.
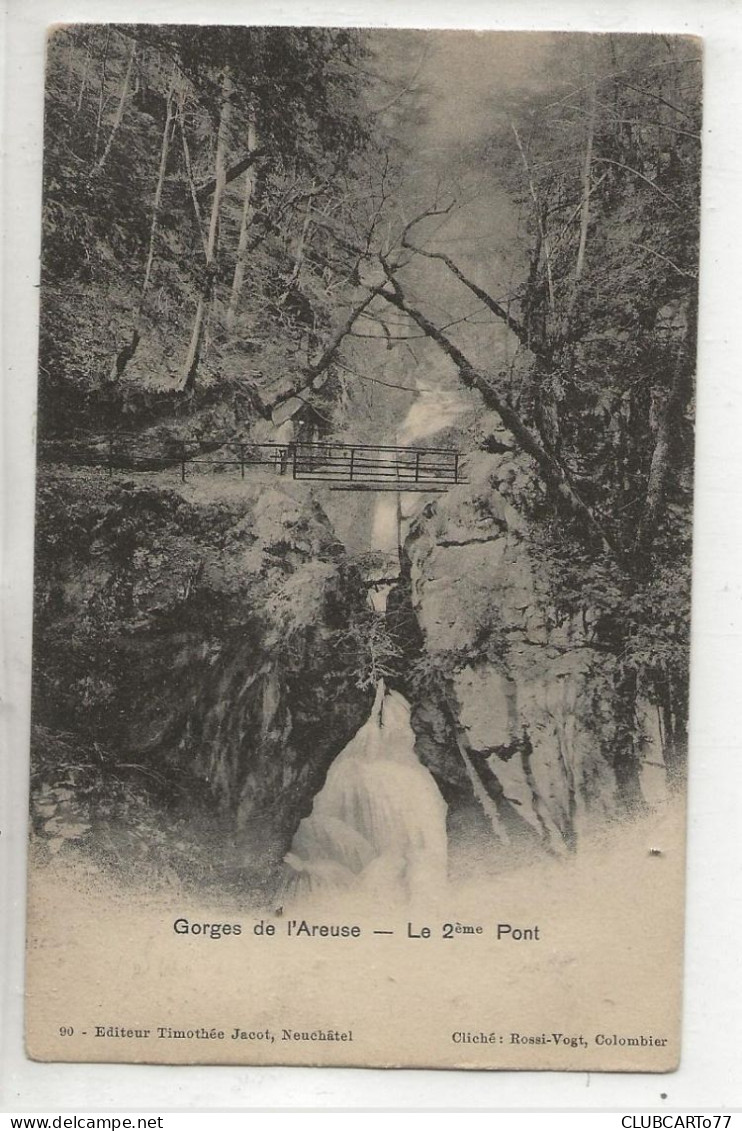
pixel 365 456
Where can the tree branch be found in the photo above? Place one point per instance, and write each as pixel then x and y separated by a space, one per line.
pixel 312 372
pixel 656 97
pixel 652 184
pixel 482 295
pixel 669 262
pixel 231 174
pixel 554 474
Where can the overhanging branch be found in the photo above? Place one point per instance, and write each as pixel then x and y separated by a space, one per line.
pixel 491 304
pixel 232 173
pixel 312 372
pixel 552 471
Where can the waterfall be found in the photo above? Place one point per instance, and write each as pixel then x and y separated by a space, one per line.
pixel 378 825
pixel 431 411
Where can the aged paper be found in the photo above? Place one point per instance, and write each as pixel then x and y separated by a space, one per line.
pixel 363 547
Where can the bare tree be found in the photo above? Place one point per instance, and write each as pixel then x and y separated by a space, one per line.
pixel 248 194
pixel 126 354
pixel 190 367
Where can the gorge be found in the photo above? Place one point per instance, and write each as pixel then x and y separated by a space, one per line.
pixel 276 690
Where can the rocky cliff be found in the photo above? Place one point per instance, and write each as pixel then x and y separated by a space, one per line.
pixel 190 641
pixel 512 714
pixel 209 649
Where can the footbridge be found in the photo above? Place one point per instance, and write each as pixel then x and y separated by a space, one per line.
pixel 340 466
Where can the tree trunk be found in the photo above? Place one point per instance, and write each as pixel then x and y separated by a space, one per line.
pixel 158 191
pixel 676 758
pixel 127 353
pixel 661 463
pixel 301 245
pixel 670 751
pixel 84 79
pixel 660 138
pixel 232 173
pixel 585 205
pixel 102 91
pixel 247 214
pixel 119 109
pixel 625 758
pixel 189 171
pixel 190 368
pixel 540 220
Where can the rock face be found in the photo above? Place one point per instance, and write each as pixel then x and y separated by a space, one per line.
pixel 197 637
pixel 210 639
pixel 520 718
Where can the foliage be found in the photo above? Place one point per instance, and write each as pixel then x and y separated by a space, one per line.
pixel 602 157
pixel 370 651
pixel 610 307
pixel 608 304
pixel 124 267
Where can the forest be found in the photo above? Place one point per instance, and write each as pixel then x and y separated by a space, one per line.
pixel 277 236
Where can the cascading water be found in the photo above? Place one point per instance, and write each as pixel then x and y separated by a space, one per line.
pixel 378 825
pixel 431 411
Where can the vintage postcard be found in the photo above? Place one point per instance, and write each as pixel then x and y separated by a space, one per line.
pixel 363 539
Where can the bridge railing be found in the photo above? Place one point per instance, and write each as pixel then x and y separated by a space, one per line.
pixel 382 464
